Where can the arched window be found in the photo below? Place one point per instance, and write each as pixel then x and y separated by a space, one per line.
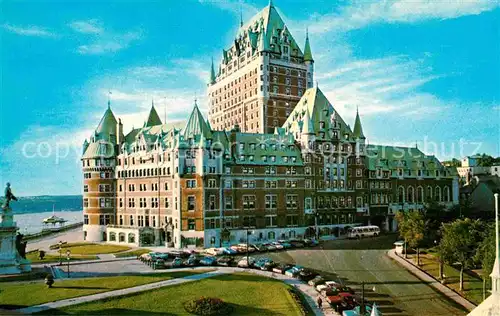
pixel 131 238
pixel 437 194
pixel 401 195
pixel 420 194
pixel 446 197
pixel 121 237
pixel 429 193
pixel 271 235
pixel 411 193
pixel 112 236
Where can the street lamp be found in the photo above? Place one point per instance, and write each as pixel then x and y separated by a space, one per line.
pixel 60 254
pixel 362 307
pixel 68 256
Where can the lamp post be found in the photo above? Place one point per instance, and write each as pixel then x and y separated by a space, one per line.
pixel 60 254
pixel 362 307
pixel 68 256
pixel 248 261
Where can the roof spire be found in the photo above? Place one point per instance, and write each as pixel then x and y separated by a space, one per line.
pixel 358 129
pixel 212 73
pixel 153 117
pixel 307 48
pixel 271 3
pixel 109 99
pixel 241 16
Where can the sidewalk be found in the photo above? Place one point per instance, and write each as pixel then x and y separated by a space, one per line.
pixel 432 281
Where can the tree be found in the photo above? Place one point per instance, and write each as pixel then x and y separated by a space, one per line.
pixel 459 242
pixel 485 253
pixel 411 228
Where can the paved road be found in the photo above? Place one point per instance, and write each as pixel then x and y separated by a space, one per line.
pixel 397 291
pixel 43 243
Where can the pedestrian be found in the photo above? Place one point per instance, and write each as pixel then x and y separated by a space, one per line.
pixel 320 302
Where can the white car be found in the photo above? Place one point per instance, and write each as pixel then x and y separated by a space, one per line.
pixel 244 264
pixel 278 245
pixel 214 251
pixel 322 287
pixel 330 283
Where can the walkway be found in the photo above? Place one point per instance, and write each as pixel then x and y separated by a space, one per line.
pixel 309 293
pixel 431 281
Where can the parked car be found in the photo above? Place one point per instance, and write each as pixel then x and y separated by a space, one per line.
pixel 145 257
pixel 214 251
pixel 278 245
pixel 261 263
pixel 296 243
pixel 285 244
pixel 208 261
pixel 229 251
pixel 311 242
pixel 317 280
pixel 243 263
pixel 159 264
pixel 244 247
pixel 192 261
pixel 225 261
pixel 306 275
pixel 282 267
pixel 294 271
pixel 259 247
pixel 177 262
pixel 269 246
pixel 268 266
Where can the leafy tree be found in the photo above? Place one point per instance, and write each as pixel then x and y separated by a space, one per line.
pixel 411 228
pixel 485 253
pixel 459 242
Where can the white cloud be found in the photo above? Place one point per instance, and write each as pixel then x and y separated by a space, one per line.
pixel 31 30
pixel 362 13
pixel 87 27
pixel 109 43
pixel 236 7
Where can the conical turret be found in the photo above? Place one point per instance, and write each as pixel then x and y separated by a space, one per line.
pixel 212 73
pixel 153 117
pixel 358 129
pixel 307 49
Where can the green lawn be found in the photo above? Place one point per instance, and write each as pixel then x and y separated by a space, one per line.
pixel 34 293
pixel 33 257
pixel 473 287
pixel 248 294
pixel 133 253
pixel 82 248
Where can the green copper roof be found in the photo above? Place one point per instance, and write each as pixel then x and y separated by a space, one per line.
pixel 322 116
pixel 153 118
pixel 196 125
pixel 98 149
pixel 212 73
pixel 263 43
pixel 307 125
pixel 358 129
pixel 307 50
pixel 107 125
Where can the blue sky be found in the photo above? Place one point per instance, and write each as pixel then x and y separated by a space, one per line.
pixel 419 71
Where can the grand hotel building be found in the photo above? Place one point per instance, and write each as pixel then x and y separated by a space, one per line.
pixel 280 162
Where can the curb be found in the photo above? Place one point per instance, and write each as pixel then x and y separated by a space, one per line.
pixel 424 276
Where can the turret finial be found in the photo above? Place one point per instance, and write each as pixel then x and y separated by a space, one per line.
pixel 109 99
pixel 270 3
pixel 241 16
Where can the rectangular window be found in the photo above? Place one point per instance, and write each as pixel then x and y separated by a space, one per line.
pixel 131 220
pixel 85 219
pixel 228 203
pixel 85 202
pixel 211 203
pixel 191 224
pixel 85 188
pixel 271 201
pixel 271 221
pixel 191 203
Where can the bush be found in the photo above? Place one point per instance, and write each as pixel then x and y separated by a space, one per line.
pixel 207 306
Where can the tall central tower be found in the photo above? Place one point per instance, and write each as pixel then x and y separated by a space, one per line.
pixel 260 77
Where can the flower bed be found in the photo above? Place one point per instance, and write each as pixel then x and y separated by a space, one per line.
pixel 208 306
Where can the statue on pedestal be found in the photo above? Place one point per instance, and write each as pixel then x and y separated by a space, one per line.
pixel 8 196
pixel 7 217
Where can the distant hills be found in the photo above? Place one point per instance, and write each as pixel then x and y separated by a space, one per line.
pixel 45 203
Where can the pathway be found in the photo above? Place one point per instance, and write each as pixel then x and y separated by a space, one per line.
pixel 308 291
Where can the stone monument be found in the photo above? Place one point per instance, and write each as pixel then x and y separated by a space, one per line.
pixel 12 247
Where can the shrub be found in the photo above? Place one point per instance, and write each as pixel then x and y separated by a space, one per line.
pixel 208 306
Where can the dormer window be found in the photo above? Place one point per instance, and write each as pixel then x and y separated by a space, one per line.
pixel 321 124
pixel 252 146
pixel 242 157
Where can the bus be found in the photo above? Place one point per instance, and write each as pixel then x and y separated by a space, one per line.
pixel 363 231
